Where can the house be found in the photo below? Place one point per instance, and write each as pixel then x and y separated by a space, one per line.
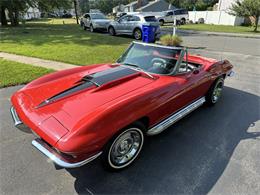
pixel 224 5
pixel 32 13
pixel 131 7
pixel 155 6
pixel 144 6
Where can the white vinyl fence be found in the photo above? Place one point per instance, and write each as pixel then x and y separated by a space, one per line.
pixel 215 17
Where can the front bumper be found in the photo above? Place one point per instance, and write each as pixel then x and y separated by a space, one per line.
pixel 58 158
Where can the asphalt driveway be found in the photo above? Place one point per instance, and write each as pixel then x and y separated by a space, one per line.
pixel 213 150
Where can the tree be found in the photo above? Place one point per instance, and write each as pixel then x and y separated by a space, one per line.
pixel 16 8
pixel 84 6
pixel 247 8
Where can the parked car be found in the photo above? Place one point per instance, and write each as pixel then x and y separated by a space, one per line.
pixel 181 16
pixel 82 113
pixel 66 15
pixel 94 21
pixel 131 24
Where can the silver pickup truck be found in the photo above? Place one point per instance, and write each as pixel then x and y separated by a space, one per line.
pixel 181 16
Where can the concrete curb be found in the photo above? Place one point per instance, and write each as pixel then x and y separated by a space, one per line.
pixel 36 61
pixel 166 29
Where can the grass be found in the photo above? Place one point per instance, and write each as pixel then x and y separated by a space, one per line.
pixel 217 28
pixel 14 73
pixel 61 40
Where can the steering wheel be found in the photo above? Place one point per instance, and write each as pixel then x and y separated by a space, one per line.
pixel 159 63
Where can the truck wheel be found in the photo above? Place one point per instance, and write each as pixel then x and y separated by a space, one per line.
pixel 124 147
pixel 161 22
pixel 215 92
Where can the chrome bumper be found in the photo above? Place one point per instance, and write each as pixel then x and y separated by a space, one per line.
pixel 17 121
pixel 231 73
pixel 57 158
pixel 15 116
pixel 47 150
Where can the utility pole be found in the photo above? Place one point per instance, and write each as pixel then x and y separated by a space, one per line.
pixel 76 11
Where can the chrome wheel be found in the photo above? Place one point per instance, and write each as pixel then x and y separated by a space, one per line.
pixel 91 28
pixel 111 31
pixel 138 34
pixel 125 148
pixel 217 92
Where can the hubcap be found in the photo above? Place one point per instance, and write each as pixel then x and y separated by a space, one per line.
pixel 217 92
pixel 125 148
pixel 138 34
pixel 111 31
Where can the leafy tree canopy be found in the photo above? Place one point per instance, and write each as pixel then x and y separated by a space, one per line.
pixel 247 8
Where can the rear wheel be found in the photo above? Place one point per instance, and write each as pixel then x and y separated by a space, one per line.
pixel 215 92
pixel 111 31
pixel 161 22
pixel 183 21
pixel 124 148
pixel 138 34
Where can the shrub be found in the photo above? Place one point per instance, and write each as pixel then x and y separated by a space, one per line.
pixel 171 40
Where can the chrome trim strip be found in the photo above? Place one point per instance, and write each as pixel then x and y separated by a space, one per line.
pixel 231 73
pixel 15 116
pixel 48 152
pixel 175 117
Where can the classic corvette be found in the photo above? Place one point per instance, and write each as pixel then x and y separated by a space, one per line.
pixel 108 109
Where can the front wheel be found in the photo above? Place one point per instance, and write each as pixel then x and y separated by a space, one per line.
pixel 124 148
pixel 215 92
pixel 91 28
pixel 111 31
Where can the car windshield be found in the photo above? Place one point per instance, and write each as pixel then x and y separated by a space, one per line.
pixel 98 16
pixel 151 58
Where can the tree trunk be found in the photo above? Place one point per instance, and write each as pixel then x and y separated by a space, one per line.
pixel 76 11
pixel 16 17
pixel 256 23
pixel 3 16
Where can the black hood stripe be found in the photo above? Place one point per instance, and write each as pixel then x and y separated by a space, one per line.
pixel 109 75
pixel 95 79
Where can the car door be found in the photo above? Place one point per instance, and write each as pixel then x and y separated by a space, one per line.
pixel 121 26
pixel 132 23
pixel 176 14
pixel 192 83
pixel 169 16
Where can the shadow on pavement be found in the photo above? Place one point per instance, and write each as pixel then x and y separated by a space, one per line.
pixel 188 158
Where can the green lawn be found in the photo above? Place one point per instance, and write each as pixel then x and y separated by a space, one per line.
pixel 13 73
pixel 62 40
pixel 217 28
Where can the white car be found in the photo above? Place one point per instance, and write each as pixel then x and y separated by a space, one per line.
pixel 94 21
pixel 181 16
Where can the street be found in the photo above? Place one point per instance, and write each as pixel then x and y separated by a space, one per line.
pixel 214 150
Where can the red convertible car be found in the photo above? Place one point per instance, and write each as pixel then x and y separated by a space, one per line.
pixel 108 109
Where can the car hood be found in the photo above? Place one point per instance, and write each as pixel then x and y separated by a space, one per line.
pixel 72 97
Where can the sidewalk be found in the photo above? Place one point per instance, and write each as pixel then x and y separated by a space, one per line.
pixel 36 61
pixel 208 33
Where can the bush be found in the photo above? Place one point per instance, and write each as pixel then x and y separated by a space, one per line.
pixel 171 40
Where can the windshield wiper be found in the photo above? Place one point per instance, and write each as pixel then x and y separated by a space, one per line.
pixel 136 67
pixel 129 64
